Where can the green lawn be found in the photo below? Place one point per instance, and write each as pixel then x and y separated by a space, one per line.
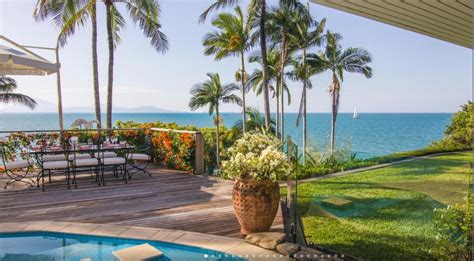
pixel 391 216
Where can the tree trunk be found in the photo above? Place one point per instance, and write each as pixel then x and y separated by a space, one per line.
pixel 304 105
pixel 217 137
pixel 277 116
pixel 263 48
pixel 58 86
pixel 242 78
pixel 95 68
pixel 282 81
pixel 335 105
pixel 110 38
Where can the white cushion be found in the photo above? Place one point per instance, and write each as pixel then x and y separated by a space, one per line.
pixel 55 164
pixel 80 156
pixel 86 162
pixel 107 154
pixel 19 164
pixel 138 156
pixel 54 157
pixel 113 161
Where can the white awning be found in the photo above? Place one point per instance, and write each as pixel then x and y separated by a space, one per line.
pixel 15 61
pixel 447 20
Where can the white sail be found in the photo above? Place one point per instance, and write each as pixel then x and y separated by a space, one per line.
pixel 356 114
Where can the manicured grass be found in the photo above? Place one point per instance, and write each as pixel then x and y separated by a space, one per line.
pixel 391 217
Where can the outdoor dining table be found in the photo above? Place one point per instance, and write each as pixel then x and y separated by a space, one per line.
pixel 39 151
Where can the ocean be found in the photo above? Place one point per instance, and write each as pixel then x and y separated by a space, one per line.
pixel 372 134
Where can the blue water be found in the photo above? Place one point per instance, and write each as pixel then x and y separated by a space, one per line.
pixel 49 246
pixel 372 134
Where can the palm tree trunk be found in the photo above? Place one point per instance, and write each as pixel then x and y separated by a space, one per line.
pixel 108 6
pixel 95 67
pixel 217 137
pixel 58 86
pixel 304 106
pixel 282 80
pixel 335 105
pixel 277 117
pixel 263 48
pixel 242 78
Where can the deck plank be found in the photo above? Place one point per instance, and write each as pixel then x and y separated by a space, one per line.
pixel 168 199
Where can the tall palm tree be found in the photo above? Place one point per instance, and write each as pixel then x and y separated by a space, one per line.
pixel 337 60
pixel 256 78
pixel 68 15
pixel 281 26
pixel 146 13
pixel 234 37
pixel 258 7
pixel 308 33
pixel 212 93
pixel 7 94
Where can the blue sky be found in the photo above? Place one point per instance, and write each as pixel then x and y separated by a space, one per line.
pixel 412 72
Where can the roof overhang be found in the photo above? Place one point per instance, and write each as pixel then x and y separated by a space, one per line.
pixel 447 20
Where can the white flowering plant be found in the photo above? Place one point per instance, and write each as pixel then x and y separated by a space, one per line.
pixel 256 156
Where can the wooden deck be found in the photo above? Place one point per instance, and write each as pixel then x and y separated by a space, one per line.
pixel 167 199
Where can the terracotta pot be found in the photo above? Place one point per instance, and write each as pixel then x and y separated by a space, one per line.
pixel 255 204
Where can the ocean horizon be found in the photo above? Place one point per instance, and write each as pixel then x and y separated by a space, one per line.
pixel 372 134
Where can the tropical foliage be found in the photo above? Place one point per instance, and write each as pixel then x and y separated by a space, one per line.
pixel 234 37
pixel 212 93
pixel 256 156
pixel 459 133
pixel 338 61
pixel 8 94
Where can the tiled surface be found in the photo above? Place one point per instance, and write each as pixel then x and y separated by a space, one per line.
pixel 229 245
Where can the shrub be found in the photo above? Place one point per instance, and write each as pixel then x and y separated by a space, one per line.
pixel 454 230
pixel 458 135
pixel 256 156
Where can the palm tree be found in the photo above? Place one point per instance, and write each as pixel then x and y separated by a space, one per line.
pixel 212 93
pixel 308 33
pixel 256 78
pixel 255 122
pixel 233 38
pixel 258 7
pixel 146 14
pixel 7 94
pixel 68 15
pixel 337 60
pixel 281 26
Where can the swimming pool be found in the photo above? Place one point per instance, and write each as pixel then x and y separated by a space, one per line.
pixel 54 246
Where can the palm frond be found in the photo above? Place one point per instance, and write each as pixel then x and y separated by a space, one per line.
pixel 147 14
pixel 219 4
pixel 9 97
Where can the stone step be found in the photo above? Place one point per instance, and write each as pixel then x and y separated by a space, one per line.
pixel 138 253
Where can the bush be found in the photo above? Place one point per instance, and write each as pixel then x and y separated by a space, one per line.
pixel 454 230
pixel 256 156
pixel 458 135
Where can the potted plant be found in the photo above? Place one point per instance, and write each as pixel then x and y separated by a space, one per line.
pixel 256 164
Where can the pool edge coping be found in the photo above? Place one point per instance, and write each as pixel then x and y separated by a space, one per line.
pixel 227 245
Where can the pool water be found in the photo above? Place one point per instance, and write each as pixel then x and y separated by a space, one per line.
pixel 52 246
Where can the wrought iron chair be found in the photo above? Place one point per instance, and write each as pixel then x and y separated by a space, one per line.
pixel 140 159
pixel 115 164
pixel 17 170
pixel 83 162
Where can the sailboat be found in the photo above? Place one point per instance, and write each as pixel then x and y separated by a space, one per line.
pixel 356 114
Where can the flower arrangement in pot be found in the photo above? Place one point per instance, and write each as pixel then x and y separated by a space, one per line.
pixel 256 164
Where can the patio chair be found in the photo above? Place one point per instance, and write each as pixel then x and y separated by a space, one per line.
pixel 51 164
pixel 82 162
pixel 139 160
pixel 17 170
pixel 115 164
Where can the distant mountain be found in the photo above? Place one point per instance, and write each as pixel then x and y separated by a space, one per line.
pixel 49 107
